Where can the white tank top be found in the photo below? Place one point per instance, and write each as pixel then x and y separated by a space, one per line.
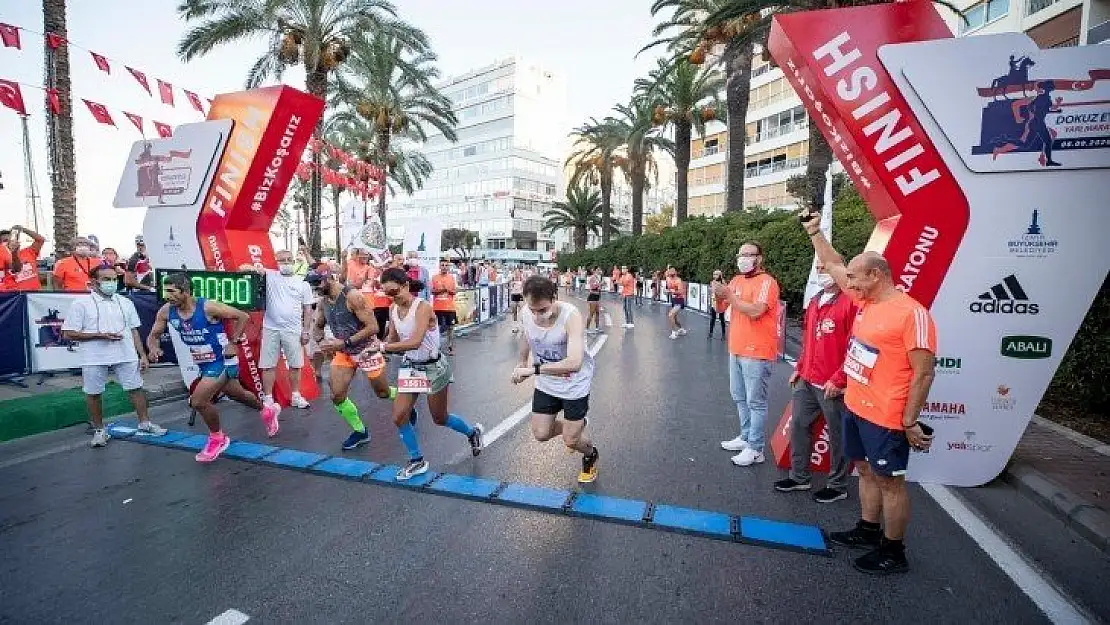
pixel 406 328
pixel 550 345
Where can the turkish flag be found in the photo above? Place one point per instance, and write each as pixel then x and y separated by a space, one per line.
pixel 194 100
pixel 53 101
pixel 135 119
pixel 101 62
pixel 165 89
pixel 10 36
pixel 12 97
pixel 141 77
pixel 164 130
pixel 99 112
pixel 54 41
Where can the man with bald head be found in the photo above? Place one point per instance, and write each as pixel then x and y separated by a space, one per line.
pixel 889 364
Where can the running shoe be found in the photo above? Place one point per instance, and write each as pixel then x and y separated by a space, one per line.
pixel 298 401
pixel 829 495
pixel 859 537
pixel 736 444
pixel 589 467
pixel 682 331
pixel 747 458
pixel 356 439
pixel 884 560
pixel 100 438
pixel 149 428
pixel 217 443
pixel 412 469
pixel 674 335
pixel 270 414
pixel 790 484
pixel 475 439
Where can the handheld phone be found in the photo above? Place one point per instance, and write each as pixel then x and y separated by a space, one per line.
pixel 926 428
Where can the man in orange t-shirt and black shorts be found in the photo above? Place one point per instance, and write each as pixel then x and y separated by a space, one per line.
pixel 444 288
pixel 890 364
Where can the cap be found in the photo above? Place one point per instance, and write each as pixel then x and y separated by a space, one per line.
pixel 315 278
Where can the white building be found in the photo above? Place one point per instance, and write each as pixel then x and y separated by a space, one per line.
pixel 500 176
pixel 1051 23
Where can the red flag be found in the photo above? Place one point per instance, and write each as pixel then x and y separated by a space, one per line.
pixel 101 62
pixel 53 101
pixel 100 113
pixel 166 91
pixel 164 130
pixel 141 77
pixel 194 100
pixel 135 119
pixel 10 36
pixel 54 41
pixel 12 97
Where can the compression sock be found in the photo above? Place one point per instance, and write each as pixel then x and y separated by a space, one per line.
pixel 393 392
pixel 456 423
pixel 349 412
pixel 408 437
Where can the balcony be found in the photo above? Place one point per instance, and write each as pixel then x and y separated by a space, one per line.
pixel 777 131
pixel 1037 5
pixel 776 167
pixel 709 151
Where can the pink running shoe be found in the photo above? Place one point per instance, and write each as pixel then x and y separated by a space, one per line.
pixel 217 443
pixel 270 414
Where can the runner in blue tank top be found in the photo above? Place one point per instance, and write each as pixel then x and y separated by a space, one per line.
pixel 200 323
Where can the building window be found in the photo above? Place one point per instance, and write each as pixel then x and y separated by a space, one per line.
pixel 988 11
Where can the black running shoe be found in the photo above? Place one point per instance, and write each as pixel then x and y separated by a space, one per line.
pixel 475 439
pixel 790 484
pixel 412 469
pixel 858 537
pixel 829 495
pixel 884 560
pixel 589 467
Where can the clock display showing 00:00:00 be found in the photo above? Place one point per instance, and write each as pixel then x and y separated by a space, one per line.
pixel 239 290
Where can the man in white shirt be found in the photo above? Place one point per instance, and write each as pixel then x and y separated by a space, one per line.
pixel 107 327
pixel 285 326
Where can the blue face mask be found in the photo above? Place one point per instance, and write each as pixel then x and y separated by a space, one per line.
pixel 108 288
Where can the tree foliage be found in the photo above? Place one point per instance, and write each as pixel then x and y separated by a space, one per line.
pixel 658 222
pixel 459 240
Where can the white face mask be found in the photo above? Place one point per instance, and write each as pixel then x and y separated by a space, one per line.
pixel 286 269
pixel 82 250
pixel 746 264
pixel 824 280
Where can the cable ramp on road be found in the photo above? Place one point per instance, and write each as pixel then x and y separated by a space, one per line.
pixel 576 503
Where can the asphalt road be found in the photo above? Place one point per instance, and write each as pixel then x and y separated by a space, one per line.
pixel 140 534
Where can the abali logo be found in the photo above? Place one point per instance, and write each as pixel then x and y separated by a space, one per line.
pixel 1007 297
pixel 1026 347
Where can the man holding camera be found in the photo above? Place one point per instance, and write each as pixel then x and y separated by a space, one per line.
pixel 890 365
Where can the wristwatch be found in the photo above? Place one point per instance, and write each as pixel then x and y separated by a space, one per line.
pixel 537 367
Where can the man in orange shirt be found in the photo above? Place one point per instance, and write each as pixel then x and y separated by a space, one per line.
pixel 73 273
pixel 753 346
pixel 444 288
pixel 890 365
pixel 24 276
pixel 628 292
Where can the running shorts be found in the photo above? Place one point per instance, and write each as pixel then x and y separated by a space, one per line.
pixel 382 316
pixel 95 377
pixel 593 297
pixel 678 302
pixel 572 409
pixel 886 450
pixel 438 372
pixel 446 319
pixel 517 297
pixel 217 368
pixel 346 361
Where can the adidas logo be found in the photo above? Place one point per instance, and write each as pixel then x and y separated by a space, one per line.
pixel 1006 297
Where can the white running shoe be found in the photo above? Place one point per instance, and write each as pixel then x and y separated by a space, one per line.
pixel 736 444
pixel 100 438
pixel 674 335
pixel 298 401
pixel 682 331
pixel 630 325
pixel 151 429
pixel 747 458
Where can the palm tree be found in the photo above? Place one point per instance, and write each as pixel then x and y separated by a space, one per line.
pixel 312 33
pixel 581 213
pixel 390 87
pixel 595 158
pixel 685 96
pixel 59 131
pixel 641 140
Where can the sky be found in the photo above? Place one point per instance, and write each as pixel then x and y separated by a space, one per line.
pixel 593 43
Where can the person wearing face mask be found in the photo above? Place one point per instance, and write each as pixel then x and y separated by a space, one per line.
pixel 111 257
pixel 555 354
pixel 285 327
pixel 818 383
pixel 720 305
pixel 106 326
pixel 753 345
pixel 74 272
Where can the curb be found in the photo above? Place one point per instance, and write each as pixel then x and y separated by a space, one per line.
pixel 1086 519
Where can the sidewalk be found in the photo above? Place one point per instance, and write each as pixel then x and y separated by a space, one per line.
pixel 1067 473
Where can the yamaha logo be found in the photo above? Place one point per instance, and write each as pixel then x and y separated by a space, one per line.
pixel 1006 297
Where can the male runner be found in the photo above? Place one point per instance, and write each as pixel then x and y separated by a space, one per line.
pixel 593 302
pixel 344 310
pixel 516 296
pixel 444 287
pixel 200 323
pixel 413 331
pixel 628 293
pixel 677 288
pixel 555 353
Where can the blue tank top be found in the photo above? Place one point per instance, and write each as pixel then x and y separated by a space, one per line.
pixel 204 338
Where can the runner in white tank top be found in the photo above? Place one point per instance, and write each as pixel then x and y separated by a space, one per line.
pixel 414 332
pixel 516 296
pixel 554 352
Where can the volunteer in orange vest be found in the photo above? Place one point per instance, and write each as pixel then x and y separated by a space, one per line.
pixel 818 383
pixel 26 276
pixel 74 272
pixel 890 361
pixel 753 346
pixel 444 288
pixel 720 305
pixel 628 293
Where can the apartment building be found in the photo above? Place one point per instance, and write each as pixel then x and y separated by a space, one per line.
pixel 1051 23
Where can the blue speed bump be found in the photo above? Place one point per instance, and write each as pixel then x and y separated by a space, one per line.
pixel 693 521
pixel 465 486
pixel 537 497
pixel 121 430
pixel 293 459
pixel 345 468
pixel 779 533
pixel 169 439
pixel 241 450
pixel 608 508
pixel 195 442
pixel 387 474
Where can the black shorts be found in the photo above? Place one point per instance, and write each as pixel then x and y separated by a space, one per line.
pixel 446 318
pixel 593 297
pixel 517 297
pixel 678 302
pixel 886 450
pixel 573 409
pixel 382 316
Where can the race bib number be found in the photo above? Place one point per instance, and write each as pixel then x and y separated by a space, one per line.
pixel 411 380
pixel 860 361
pixel 202 353
pixel 371 361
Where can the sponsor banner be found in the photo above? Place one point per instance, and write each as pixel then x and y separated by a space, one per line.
pixel 13 344
pixel 172 171
pixel 423 236
pixel 693 296
pixel 483 304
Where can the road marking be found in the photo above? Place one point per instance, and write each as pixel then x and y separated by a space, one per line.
pixel 230 617
pixel 1055 605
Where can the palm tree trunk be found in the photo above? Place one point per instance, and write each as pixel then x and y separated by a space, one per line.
pixel 335 193
pixel 682 164
pixel 606 206
pixel 738 76
pixel 820 159
pixel 383 149
pixel 579 238
pixel 59 131
pixel 316 81
pixel 639 181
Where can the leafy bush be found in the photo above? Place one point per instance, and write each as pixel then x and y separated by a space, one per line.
pixel 1083 379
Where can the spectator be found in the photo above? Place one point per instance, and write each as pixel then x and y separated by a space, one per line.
pixel 358 268
pixel 111 257
pixel 9 257
pixel 26 276
pixel 720 304
pixel 753 345
pixel 628 293
pixel 818 384
pixel 304 261
pixel 140 273
pixel 74 272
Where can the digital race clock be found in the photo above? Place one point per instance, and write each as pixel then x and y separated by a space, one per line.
pixel 245 290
